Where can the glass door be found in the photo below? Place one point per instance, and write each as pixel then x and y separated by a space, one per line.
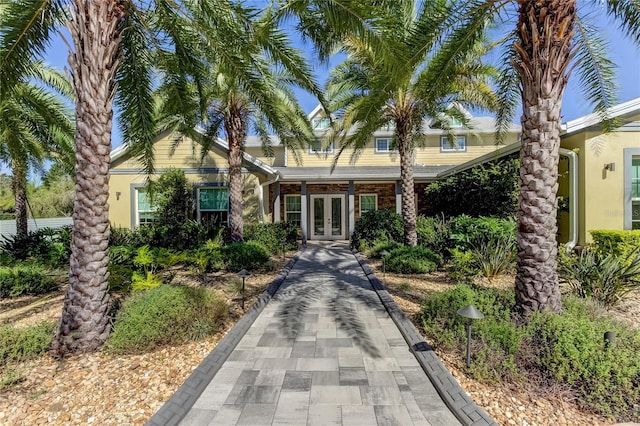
pixel 328 217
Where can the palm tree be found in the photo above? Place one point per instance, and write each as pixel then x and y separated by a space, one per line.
pixel 549 40
pixel 402 84
pixel 112 49
pixel 262 99
pixel 35 124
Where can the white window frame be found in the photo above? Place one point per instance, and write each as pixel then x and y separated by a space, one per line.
pixel 388 150
pixel 367 195
pixel 287 211
pixel 199 211
pixel 320 123
pixel 137 192
pixel 445 145
pixel 326 150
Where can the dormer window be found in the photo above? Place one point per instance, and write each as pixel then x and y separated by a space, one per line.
pixel 318 148
pixel 383 145
pixel 458 144
pixel 320 123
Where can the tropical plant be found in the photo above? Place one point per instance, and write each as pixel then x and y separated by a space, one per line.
pixel 549 40
pixel 258 97
pixel 35 125
pixel 115 45
pixel 405 85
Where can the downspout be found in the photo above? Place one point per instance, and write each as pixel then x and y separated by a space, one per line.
pixel 573 198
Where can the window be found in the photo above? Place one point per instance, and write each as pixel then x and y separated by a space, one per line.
pixel 320 123
pixel 213 205
pixel 459 144
pixel 635 193
pixel 383 145
pixel 146 212
pixel 293 209
pixel 368 203
pixel 319 149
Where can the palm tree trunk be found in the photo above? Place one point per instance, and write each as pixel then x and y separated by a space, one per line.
pixel 84 325
pixel 545 31
pixel 19 186
pixel 405 150
pixel 235 125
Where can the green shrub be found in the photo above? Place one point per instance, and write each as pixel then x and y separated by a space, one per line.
pixel 486 190
pixel 377 247
pixel 165 315
pixel 412 260
pixel 556 350
pixel 377 226
pixel 606 278
pixel 207 258
pixel 49 246
pixel 464 231
pixel 249 255
pixel 25 280
pixel 619 243
pixel 489 257
pixel 19 344
pixel 8 377
pixel 272 235
pixel 433 233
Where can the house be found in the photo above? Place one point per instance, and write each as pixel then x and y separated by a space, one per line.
pixel 301 187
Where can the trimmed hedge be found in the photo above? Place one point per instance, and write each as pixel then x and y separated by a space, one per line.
pixel 272 235
pixel 377 226
pixel 412 260
pixel 249 255
pixel 619 243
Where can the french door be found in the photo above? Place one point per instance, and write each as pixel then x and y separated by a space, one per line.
pixel 328 217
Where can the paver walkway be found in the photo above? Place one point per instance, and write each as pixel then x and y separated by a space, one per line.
pixel 323 351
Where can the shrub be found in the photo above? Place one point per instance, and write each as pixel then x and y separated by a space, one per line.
pixel 432 233
pixel 272 235
pixel 489 257
pixel 619 243
pixel 486 190
pixel 19 344
pixel 377 247
pixel 464 231
pixel 376 225
pixel 412 260
pixel 249 255
pixel 207 258
pixel 25 280
pixel 46 245
pixel 548 349
pixel 165 315
pixel 605 278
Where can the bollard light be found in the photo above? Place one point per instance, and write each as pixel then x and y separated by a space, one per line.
pixel 609 338
pixel 384 254
pixel 471 313
pixel 244 274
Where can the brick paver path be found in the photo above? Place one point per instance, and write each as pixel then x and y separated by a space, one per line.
pixel 324 351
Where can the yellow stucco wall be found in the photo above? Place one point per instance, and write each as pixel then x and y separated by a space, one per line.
pixel 601 192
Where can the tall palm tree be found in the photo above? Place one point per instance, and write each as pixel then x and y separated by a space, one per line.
pixel 235 103
pixel 402 84
pixel 112 45
pixel 549 40
pixel 35 125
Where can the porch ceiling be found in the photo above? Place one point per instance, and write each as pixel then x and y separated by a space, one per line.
pixel 391 173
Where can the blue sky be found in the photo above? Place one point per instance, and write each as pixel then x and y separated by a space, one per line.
pixel 622 51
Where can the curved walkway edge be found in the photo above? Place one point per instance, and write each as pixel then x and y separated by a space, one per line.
pixel 460 404
pixel 177 407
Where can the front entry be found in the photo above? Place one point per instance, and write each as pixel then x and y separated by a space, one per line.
pixel 328 217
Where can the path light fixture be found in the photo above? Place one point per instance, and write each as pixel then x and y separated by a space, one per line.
pixel 244 274
pixel 609 338
pixel 471 313
pixel 384 254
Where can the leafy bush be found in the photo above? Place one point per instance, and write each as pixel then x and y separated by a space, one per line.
pixel 377 247
pixel 46 245
pixel 432 233
pixel 207 258
pixel 19 344
pixel 465 231
pixel 165 315
pixel 376 225
pixel 25 280
pixel 272 235
pixel 485 190
pixel 548 349
pixel 173 195
pixel 249 255
pixel 605 278
pixel 412 260
pixel 619 243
